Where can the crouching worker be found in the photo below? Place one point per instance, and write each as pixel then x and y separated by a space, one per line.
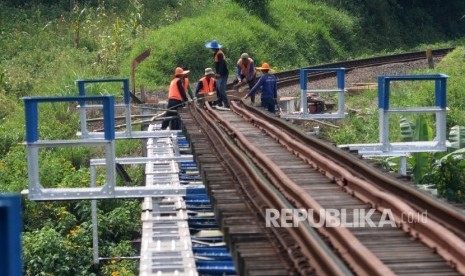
pixel 245 73
pixel 206 85
pixel 269 88
pixel 176 98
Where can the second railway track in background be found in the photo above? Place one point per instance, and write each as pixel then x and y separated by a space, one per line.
pixel 260 162
pixel 292 77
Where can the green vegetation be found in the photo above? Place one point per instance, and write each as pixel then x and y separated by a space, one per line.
pixel 293 33
pixel 444 170
pixel 47 45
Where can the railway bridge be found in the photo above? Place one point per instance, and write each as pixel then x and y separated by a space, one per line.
pixel 245 192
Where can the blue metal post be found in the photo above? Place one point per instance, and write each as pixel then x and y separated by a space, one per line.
pixel 340 78
pixel 381 92
pixel 127 97
pixel 108 118
pixel 303 79
pixel 81 87
pixel 440 93
pixel 303 91
pixel 32 120
pixel 10 235
pixel 387 91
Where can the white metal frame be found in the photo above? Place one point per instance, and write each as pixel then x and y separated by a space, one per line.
pixel 304 91
pixel 403 149
pixel 126 105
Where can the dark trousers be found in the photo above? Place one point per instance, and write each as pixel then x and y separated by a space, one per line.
pixel 221 91
pixel 269 104
pixel 251 83
pixel 174 123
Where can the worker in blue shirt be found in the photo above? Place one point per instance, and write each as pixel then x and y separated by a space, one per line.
pixel 267 83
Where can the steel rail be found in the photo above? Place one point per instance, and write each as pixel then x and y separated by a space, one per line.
pixel 368 62
pixel 446 214
pixel 316 252
pixel 291 77
pixel 445 242
pixel 361 259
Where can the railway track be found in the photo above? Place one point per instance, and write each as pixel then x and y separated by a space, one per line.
pixel 292 77
pixel 288 78
pixel 255 165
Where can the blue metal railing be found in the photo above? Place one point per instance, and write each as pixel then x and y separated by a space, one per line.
pixel 32 113
pixel 340 76
pixel 384 87
pixel 10 235
pixel 82 86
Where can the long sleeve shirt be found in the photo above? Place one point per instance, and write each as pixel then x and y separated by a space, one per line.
pixel 221 67
pixel 250 75
pixel 200 86
pixel 182 91
pixel 189 90
pixel 269 88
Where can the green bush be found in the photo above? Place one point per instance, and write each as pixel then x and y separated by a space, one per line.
pixel 13 170
pixel 118 224
pixel 448 174
pixel 46 252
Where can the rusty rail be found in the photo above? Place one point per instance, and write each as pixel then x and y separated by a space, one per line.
pixel 442 238
pixel 310 245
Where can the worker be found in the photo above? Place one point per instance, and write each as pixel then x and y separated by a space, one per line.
pixel 267 83
pixel 246 73
pixel 186 84
pixel 207 85
pixel 176 98
pixel 222 72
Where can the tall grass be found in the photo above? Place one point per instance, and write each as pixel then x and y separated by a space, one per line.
pixel 295 34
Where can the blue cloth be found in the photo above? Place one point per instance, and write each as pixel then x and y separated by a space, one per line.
pixel 269 88
pixel 213 45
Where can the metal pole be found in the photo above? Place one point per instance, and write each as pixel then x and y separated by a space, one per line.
pixel 94 219
pixel 403 165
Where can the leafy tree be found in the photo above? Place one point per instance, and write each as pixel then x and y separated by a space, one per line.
pixel 46 252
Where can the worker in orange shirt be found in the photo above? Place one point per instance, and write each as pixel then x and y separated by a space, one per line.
pixel 246 73
pixel 176 98
pixel 207 84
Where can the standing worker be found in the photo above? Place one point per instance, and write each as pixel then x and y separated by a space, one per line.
pixel 176 97
pixel 269 88
pixel 246 73
pixel 222 72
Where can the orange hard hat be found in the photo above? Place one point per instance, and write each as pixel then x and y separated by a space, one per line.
pixel 265 66
pixel 180 71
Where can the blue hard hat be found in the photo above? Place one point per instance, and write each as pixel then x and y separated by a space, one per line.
pixel 213 45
